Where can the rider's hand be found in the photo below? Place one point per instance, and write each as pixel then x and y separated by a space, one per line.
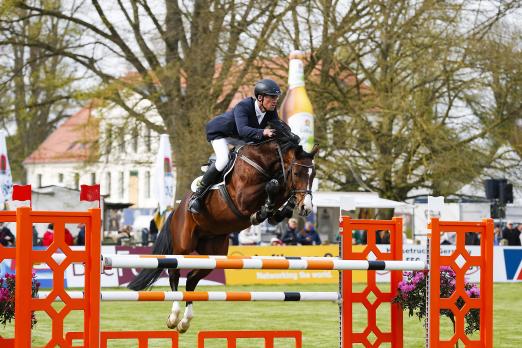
pixel 269 133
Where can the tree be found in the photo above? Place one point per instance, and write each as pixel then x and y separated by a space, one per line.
pixel 36 86
pixel 499 58
pixel 190 59
pixel 391 82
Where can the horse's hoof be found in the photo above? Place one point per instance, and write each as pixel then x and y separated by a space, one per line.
pixel 172 324
pixel 182 327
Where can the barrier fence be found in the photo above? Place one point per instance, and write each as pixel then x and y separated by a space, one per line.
pixel 371 297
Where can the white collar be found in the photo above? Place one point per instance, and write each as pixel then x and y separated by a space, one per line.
pixel 259 113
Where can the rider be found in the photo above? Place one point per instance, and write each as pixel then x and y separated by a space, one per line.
pixel 247 121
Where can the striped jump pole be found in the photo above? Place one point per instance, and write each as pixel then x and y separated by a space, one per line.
pixel 243 296
pixel 117 261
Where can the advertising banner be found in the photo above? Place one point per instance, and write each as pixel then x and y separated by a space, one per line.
pixel 266 276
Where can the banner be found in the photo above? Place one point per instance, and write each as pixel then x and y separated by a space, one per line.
pixel 6 181
pixel 163 188
pixel 267 276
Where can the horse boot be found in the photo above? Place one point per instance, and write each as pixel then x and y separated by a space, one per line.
pixel 210 177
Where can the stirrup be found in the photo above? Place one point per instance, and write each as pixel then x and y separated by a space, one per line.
pixel 194 205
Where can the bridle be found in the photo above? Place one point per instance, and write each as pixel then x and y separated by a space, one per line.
pixel 286 172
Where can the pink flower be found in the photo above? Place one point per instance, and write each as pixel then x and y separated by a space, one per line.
pixel 4 295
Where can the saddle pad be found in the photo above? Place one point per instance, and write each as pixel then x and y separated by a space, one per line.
pixel 228 169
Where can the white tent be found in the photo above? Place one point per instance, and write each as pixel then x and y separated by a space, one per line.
pixel 330 199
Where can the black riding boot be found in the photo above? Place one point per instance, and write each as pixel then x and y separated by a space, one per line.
pixel 209 178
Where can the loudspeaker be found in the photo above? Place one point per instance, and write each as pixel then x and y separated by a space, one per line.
pixel 492 189
pixel 505 192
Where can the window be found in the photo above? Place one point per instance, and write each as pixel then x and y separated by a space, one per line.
pixel 93 178
pixel 135 139
pixel 120 184
pixel 76 181
pixel 121 137
pixel 108 139
pixel 39 180
pixel 147 184
pixel 148 136
pixel 108 183
pixel 60 178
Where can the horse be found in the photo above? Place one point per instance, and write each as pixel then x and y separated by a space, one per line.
pixel 264 176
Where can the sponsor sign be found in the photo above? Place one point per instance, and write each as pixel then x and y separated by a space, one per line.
pixel 267 276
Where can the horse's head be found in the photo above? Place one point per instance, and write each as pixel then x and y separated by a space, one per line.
pixel 298 169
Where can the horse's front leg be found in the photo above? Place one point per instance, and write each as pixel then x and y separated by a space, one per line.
pixel 193 278
pixel 174 317
pixel 266 211
pixel 285 212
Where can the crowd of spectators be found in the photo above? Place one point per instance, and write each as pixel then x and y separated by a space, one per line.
pixel 291 235
pixel 511 235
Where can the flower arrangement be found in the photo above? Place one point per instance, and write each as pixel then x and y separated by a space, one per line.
pixel 412 296
pixel 7 298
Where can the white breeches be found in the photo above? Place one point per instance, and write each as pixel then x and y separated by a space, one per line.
pixel 220 147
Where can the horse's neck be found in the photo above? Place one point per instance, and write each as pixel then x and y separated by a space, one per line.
pixel 252 184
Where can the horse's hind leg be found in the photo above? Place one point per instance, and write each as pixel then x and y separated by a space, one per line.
pixel 174 317
pixel 193 278
pixel 213 246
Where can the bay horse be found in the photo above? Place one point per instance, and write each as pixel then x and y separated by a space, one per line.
pixel 265 176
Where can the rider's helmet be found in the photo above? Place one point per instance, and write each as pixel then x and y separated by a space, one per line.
pixel 267 87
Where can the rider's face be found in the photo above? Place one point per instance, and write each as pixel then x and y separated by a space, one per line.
pixel 269 102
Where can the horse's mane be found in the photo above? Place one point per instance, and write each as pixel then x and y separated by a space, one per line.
pixel 288 140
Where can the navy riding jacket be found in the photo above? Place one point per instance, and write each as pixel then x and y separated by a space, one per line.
pixel 240 122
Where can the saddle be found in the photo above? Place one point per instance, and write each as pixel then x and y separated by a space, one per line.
pixel 232 156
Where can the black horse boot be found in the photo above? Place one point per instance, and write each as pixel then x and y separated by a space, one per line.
pixel 210 177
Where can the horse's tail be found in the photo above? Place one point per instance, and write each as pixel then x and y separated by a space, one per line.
pixel 162 246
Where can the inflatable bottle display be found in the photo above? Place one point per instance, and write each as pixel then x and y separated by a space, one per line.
pixel 297 109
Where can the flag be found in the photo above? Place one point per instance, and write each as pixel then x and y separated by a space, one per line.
pixel 6 181
pixel 90 193
pixel 22 193
pixel 163 185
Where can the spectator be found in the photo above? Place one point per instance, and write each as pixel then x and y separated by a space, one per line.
pixel 234 238
pixel 472 238
pixel 276 242
pixel 144 236
pixel 35 236
pixel 310 229
pixel 290 235
pixel 124 236
pixel 153 230
pixel 308 236
pixel 80 238
pixel 382 237
pixel 512 235
pixel 303 238
pixel 359 237
pixel 6 236
pixel 250 236
pixel 49 236
pixel 497 235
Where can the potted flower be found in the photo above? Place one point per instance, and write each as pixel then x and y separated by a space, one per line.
pixel 412 296
pixel 7 298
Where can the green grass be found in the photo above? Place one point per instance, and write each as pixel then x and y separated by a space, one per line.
pixel 317 320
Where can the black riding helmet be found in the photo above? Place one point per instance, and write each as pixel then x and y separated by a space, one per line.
pixel 267 87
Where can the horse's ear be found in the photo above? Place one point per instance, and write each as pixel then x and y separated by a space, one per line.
pixel 315 150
